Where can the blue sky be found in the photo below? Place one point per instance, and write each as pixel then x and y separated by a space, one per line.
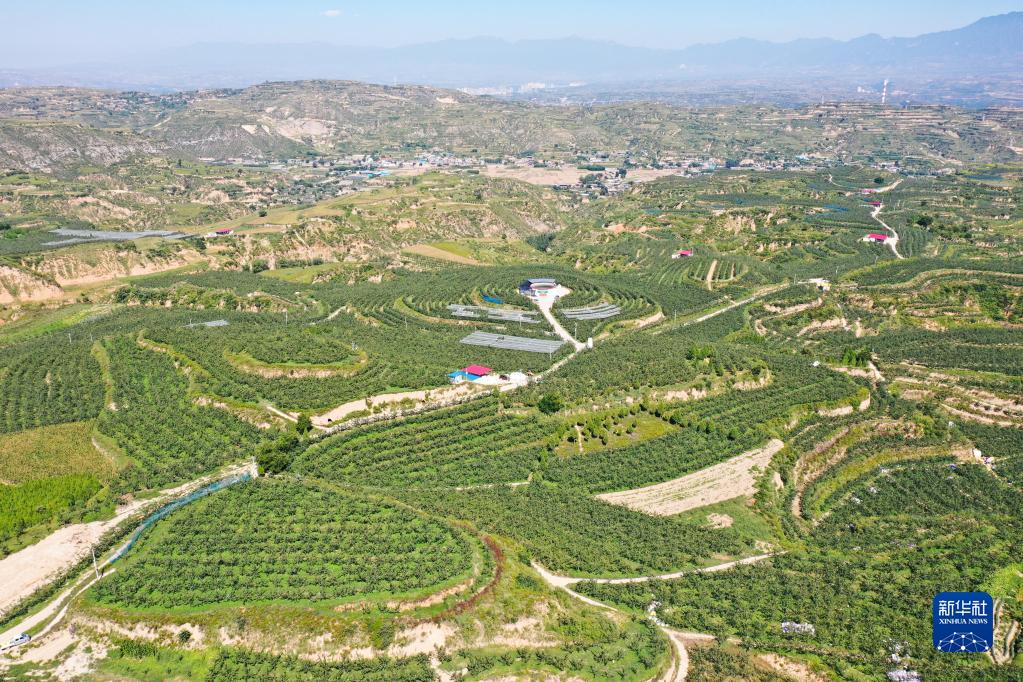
pixel 42 32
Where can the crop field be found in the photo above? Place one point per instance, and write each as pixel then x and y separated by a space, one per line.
pixel 638 362
pixel 346 359
pixel 712 430
pixel 240 665
pixel 900 272
pixel 212 553
pixel 471 445
pixel 573 533
pixel 52 451
pixel 40 500
pixel 154 422
pixel 52 381
pixel 985 350
pixel 727 480
pixel 622 651
pixel 743 445
pixel 807 586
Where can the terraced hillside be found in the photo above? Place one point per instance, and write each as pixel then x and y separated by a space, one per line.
pixel 756 460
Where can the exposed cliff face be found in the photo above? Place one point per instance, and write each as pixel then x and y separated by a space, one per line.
pixel 68 269
pixel 56 147
pixel 18 285
pixel 37 279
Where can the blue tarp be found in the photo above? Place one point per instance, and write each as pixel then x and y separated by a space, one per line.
pixel 176 504
pixel 491 299
pixel 463 375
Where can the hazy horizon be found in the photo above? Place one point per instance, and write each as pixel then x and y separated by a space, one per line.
pixel 48 34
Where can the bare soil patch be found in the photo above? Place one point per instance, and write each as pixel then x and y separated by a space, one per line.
pixel 795 669
pixel 720 520
pixel 440 254
pixel 391 401
pixel 725 481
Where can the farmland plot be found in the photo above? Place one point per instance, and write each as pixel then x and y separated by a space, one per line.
pixel 327 547
pixel 735 477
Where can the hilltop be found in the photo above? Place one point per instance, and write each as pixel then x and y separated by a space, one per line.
pixel 277 121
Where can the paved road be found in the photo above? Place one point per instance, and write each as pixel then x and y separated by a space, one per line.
pixel 545 305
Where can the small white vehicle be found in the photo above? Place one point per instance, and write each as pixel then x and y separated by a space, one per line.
pixel 23 638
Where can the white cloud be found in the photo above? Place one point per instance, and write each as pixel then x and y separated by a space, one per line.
pixel 332 13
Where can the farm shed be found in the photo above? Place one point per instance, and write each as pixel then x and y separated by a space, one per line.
pixel 470 373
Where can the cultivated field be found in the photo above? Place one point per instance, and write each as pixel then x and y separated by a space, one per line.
pixel 777 421
pixel 736 477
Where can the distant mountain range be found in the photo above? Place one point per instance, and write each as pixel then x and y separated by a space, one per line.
pixel 990 49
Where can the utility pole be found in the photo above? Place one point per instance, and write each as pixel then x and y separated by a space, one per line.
pixel 95 567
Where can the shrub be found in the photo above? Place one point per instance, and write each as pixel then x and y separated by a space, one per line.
pixel 551 403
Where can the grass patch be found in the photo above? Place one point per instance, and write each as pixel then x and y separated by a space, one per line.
pixel 154 664
pixel 1007 583
pixel 50 451
pixel 735 514
pixel 604 431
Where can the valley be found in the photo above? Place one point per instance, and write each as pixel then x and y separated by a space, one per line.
pixel 359 382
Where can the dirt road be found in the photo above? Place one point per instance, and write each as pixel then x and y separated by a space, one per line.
pixel 438 395
pixel 679 668
pixel 893 240
pixel 564 580
pixel 23 573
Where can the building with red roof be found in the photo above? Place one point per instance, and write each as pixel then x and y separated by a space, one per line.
pixel 470 373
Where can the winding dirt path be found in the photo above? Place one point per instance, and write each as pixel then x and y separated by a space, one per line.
pixel 564 581
pixel 677 671
pixel 679 668
pixel 439 394
pixel 709 281
pixel 893 241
